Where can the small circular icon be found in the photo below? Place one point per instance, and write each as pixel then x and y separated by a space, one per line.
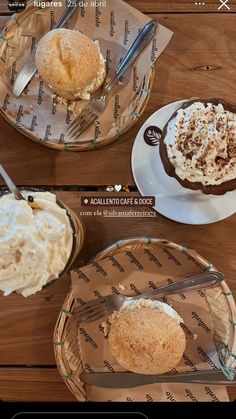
pixel 152 135
pixel 86 201
pixel 17 6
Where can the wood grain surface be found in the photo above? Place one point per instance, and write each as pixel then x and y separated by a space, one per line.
pixel 198 62
pixel 33 384
pixel 158 6
pixel 182 6
pixel 37 384
pixel 3 7
pixel 27 324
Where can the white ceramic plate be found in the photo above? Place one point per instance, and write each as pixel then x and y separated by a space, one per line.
pixel 172 200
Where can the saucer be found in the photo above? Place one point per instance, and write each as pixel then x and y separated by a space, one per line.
pixel 172 200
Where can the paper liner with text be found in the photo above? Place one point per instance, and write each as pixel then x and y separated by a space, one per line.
pixel 41 115
pixel 135 268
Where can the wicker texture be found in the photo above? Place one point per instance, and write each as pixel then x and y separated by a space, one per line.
pixel 221 308
pixel 19 34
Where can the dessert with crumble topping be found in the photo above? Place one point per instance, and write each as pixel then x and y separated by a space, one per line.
pixel 198 146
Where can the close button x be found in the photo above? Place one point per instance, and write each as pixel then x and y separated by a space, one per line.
pixel 224 3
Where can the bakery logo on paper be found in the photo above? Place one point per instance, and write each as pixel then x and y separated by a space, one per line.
pixel 112 24
pixel 116 264
pixel 17 6
pixel 135 79
pixel 99 269
pixel 133 259
pixel 6 102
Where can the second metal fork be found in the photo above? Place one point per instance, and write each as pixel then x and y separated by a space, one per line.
pixel 96 105
pixel 102 306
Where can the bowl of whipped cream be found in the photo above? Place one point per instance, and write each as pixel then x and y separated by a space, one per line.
pixel 40 238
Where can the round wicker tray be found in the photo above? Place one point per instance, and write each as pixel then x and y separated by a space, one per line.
pixel 221 307
pixel 37 121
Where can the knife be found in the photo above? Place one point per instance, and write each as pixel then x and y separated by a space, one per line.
pixel 29 69
pixel 129 379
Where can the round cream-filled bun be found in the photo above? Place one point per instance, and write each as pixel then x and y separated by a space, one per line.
pixel 70 63
pixel 145 337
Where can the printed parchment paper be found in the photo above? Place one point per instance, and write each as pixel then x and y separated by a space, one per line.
pixel 136 269
pixel 42 115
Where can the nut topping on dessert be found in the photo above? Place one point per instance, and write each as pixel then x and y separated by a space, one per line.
pixel 201 143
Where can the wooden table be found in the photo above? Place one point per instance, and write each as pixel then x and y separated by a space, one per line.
pixel 199 61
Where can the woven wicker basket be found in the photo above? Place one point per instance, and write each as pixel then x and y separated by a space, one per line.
pixel 221 307
pixel 17 36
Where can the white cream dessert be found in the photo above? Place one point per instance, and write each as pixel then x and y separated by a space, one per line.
pixel 144 302
pixel 70 63
pixel 35 244
pixel 201 143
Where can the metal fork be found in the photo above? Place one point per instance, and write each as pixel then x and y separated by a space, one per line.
pixel 102 306
pixel 97 104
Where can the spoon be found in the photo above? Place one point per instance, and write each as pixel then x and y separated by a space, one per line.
pixel 13 188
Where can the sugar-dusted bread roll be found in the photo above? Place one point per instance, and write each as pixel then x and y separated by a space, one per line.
pixel 71 63
pixel 146 337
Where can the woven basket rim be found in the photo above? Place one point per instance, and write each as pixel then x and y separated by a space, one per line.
pixel 79 390
pixel 137 106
